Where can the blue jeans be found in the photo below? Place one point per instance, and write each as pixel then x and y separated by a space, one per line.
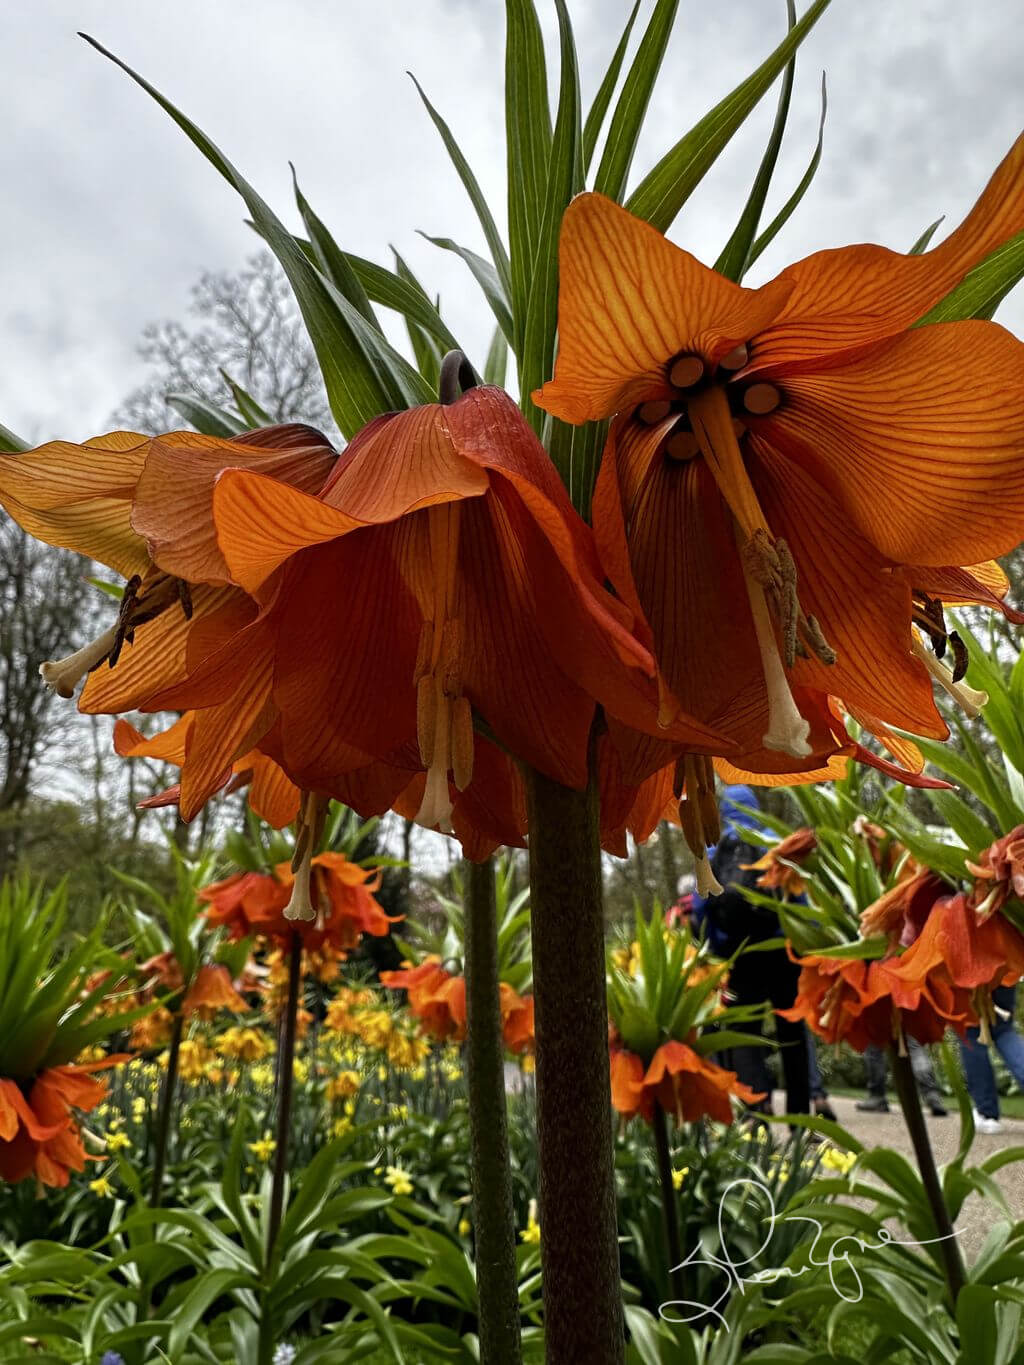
pixel 981 1079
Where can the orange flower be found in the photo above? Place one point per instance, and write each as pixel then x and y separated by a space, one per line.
pixel 39 1131
pixel 212 991
pixel 436 997
pixel 341 901
pixel 517 1024
pixel 784 458
pixel 900 913
pixel 1000 873
pixel 683 1083
pixel 247 903
pixel 775 865
pixel 443 522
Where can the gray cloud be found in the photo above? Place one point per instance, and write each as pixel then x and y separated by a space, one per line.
pixel 110 214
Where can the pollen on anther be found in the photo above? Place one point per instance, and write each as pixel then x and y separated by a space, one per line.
pixel 654 411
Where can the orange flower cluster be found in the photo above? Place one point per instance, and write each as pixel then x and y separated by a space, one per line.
pixel 39 1132
pixel 437 998
pixel 999 873
pixel 680 1081
pixel 341 898
pixel 943 979
pixel 775 866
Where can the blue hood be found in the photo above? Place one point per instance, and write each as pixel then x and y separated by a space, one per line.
pixel 735 821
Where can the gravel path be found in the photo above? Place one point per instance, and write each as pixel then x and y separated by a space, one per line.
pixel 889 1130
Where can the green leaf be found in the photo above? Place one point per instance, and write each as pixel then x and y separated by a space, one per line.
pixel 922 242
pixel 628 119
pixel 11 444
pixel 403 294
pixel 499 256
pixel 252 414
pixel 187 1314
pixel 599 108
pixel 564 178
pixel 732 263
pixel 496 364
pixel 487 278
pixel 982 289
pixel 786 212
pixel 528 136
pixel 666 188
pixel 205 416
pixel 332 261
pixel 362 374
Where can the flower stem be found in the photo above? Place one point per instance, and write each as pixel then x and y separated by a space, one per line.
pixel 286 1082
pixel 668 1204
pixel 910 1100
pixel 494 1227
pixel 163 1129
pixel 579 1247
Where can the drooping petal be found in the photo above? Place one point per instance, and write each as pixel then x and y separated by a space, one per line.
pixel 922 432
pixel 173 503
pixel 629 301
pixel 863 610
pixel 168 745
pixel 79 496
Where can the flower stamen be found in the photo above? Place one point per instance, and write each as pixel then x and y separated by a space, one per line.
pixel 969 699
pixel 698 814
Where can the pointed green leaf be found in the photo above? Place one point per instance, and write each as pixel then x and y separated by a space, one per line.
pixel 565 174
pixel 362 374
pixel 528 137
pixel 666 188
pixel 486 277
pixel 599 107
pixel 496 364
pixel 252 414
pixel 331 259
pixel 922 242
pixel 627 121
pixel 786 212
pixel 11 444
pixel 983 289
pixel 205 416
pixel 499 256
pixel 732 263
pixel 403 294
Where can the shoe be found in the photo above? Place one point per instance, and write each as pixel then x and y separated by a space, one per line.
pixel 939 1111
pixel 824 1110
pixel 874 1104
pixel 990 1127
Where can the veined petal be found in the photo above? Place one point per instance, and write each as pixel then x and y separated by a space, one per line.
pixel 629 301
pixel 79 496
pixel 920 440
pixel 165 649
pixel 168 745
pixel 983 585
pixel 272 796
pixel 223 733
pixel 859 294
pixel 173 505
pixel 863 610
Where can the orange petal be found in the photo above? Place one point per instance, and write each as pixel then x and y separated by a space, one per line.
pixel 629 301
pixel 168 745
pixel 272 796
pixel 79 496
pixel 919 440
pixel 173 507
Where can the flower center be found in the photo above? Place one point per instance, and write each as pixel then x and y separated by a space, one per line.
pixel 712 409
pixel 309 827
pixel 444 717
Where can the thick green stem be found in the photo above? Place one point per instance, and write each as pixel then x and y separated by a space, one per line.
pixel 493 1219
pixel 910 1100
pixel 286 1083
pixel 579 1249
pixel 163 1128
pixel 669 1206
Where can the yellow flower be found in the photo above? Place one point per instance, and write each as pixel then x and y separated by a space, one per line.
pixel 341 1086
pixel 264 1149
pixel 465 1227
pixel 118 1142
pixel 340 1127
pixel 679 1176
pixel 528 1064
pixel 138 1108
pixel 245 1044
pixel 102 1186
pixel 399 1180
pixel 835 1160
pixel 194 1059
pixel 531 1233
pixel 262 1077
pixel 382 1074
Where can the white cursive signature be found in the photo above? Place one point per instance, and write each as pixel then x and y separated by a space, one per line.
pixel 852 1292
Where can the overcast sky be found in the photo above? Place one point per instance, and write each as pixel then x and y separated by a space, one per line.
pixel 110 214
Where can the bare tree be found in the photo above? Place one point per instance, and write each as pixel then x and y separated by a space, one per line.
pixel 248 328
